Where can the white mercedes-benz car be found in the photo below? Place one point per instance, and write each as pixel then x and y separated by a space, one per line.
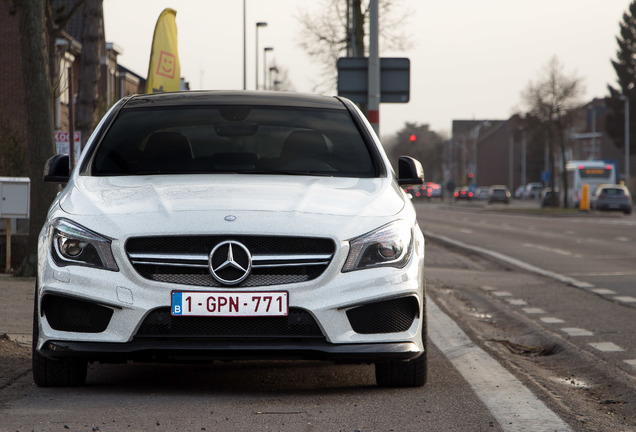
pixel 231 225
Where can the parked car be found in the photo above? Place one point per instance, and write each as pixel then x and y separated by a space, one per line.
pixel 432 190
pixel 413 191
pixel 463 193
pixel 612 197
pixel 533 190
pixel 482 192
pixel 499 193
pixel 546 197
pixel 231 225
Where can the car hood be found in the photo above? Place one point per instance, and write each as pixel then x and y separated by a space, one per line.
pixel 169 195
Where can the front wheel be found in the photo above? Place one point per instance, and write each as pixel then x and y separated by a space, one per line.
pixel 397 373
pixel 49 372
pixel 400 373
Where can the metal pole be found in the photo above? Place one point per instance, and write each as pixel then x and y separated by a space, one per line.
pixel 71 119
pixel 523 157
pixel 627 150
pixel 593 131
pixel 258 25
pixel 510 162
pixel 244 50
pixel 348 28
pixel 256 61
pixel 374 68
pixel 265 50
pixel 477 130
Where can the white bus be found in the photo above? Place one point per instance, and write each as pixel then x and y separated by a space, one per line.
pixel 591 172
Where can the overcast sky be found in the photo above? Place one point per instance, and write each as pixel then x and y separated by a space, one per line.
pixel 470 59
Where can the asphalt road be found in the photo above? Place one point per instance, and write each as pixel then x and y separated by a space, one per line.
pixel 495 363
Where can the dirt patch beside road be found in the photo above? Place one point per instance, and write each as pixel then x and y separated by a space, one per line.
pixel 15 361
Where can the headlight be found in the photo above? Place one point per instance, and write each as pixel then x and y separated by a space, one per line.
pixel 388 246
pixel 72 244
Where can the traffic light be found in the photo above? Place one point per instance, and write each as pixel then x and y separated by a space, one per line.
pixel 412 138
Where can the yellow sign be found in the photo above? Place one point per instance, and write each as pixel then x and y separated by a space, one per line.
pixel 164 72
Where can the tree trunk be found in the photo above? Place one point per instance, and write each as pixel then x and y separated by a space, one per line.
pixel 39 113
pixel 93 49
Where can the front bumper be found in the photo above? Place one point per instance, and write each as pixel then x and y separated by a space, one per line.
pixel 171 350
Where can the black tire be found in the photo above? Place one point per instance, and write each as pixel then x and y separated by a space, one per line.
pixel 411 373
pixel 49 372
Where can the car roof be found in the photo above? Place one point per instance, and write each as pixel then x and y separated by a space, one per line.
pixel 234 97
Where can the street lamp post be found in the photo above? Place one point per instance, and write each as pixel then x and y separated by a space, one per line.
pixel 272 69
pixel 258 25
pixel 265 50
pixel 625 98
pixel 244 49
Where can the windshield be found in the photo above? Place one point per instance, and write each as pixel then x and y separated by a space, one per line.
pixel 233 139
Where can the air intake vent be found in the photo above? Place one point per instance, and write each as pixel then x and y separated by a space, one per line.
pixel 73 315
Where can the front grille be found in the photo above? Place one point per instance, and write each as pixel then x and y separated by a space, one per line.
pixel 276 260
pixel 73 315
pixel 297 324
pixel 390 316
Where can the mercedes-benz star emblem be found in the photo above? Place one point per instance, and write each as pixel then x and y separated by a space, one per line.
pixel 230 262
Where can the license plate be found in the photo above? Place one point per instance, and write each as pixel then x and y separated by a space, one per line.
pixel 229 303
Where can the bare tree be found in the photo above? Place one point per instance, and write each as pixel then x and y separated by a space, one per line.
pixel 341 30
pixel 57 16
pixel 93 47
pixel 39 123
pixel 549 99
pixel 280 78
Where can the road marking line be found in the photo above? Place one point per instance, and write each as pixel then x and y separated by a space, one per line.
pixel 488 288
pixel 549 249
pixel 501 293
pixel 606 274
pixel 512 261
pixel 603 291
pixel 533 310
pixel 552 320
pixel 575 331
pixel 517 302
pixel 632 363
pixel 625 299
pixel 606 346
pixel 514 406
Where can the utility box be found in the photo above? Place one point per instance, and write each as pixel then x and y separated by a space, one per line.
pixel 15 193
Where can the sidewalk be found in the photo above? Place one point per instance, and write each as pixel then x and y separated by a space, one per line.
pixel 16 307
pixel 16 323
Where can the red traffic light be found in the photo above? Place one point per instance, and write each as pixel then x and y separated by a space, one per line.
pixel 412 138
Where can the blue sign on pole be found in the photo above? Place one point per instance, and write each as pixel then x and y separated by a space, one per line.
pixel 546 176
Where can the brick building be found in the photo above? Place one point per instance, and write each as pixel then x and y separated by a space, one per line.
pixel 513 153
pixel 116 80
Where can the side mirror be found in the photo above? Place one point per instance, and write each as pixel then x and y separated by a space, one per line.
pixel 410 171
pixel 57 169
